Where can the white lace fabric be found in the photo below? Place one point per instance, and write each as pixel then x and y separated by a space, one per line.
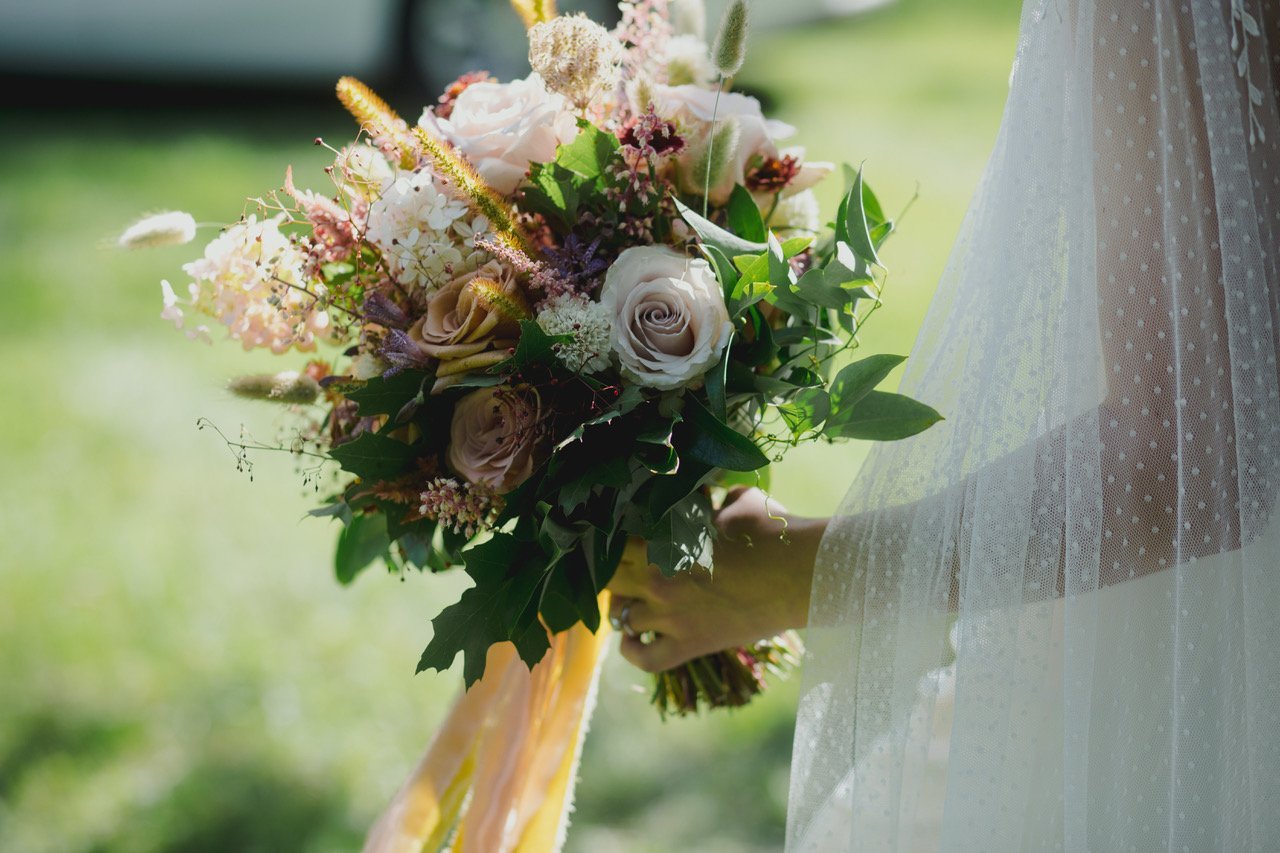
pixel 1100 513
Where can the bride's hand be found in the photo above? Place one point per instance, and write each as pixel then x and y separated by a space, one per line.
pixel 759 587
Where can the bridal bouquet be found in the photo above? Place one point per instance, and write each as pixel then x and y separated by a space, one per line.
pixel 553 316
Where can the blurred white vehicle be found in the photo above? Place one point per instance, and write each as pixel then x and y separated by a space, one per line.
pixel 427 42
pixel 267 41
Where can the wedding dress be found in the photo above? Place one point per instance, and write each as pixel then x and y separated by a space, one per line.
pixel 1053 621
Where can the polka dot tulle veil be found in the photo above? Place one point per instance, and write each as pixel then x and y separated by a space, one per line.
pixel 1053 621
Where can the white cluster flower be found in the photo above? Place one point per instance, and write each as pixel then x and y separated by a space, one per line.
pixel 587 322
pixel 426 235
pixel 799 212
pixel 251 280
pixel 575 56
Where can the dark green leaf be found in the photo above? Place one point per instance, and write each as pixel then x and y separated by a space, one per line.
pixel 715 382
pixel 857 229
pixel 535 346
pixel 359 544
pixel 744 216
pixel 856 380
pixel 499 607
pixel 380 396
pixel 683 537
pixel 702 437
pixel 373 457
pixel 881 416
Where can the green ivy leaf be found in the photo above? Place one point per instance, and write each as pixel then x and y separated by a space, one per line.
pixel 702 437
pixel 815 288
pixel 881 416
pixel 744 216
pixel 371 456
pixel 359 544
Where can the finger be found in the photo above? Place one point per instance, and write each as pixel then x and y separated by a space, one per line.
pixel 641 615
pixel 662 653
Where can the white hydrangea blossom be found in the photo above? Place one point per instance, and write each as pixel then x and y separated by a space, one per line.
pixel 251 280
pixel 426 236
pixel 589 325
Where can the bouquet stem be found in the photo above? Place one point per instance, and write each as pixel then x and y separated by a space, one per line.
pixel 725 679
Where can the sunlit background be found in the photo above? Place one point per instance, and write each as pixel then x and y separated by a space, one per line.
pixel 178 668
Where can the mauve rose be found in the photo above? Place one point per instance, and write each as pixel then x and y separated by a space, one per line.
pixel 503 127
pixel 692 108
pixel 495 437
pixel 670 324
pixel 458 324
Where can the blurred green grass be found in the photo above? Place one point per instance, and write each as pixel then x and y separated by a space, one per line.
pixel 180 670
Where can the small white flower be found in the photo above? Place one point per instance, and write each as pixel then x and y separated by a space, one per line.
pixel 587 322
pixel 421 230
pixel 171 228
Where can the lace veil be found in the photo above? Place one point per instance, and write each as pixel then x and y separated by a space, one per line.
pixel 1053 621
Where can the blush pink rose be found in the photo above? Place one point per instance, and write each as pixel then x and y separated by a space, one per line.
pixel 496 436
pixel 504 127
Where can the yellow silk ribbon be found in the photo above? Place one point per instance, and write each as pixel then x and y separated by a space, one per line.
pixel 499 774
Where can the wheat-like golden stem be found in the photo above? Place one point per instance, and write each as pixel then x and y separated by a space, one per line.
pixel 453 167
pixel 376 117
pixel 534 11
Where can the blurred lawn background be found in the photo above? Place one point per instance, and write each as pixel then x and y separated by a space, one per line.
pixel 178 668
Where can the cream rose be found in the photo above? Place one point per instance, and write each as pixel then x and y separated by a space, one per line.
pixel 495 436
pixel 692 108
pixel 503 127
pixel 670 324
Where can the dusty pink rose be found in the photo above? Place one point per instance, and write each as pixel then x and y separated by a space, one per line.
pixel 460 320
pixel 670 324
pixel 496 436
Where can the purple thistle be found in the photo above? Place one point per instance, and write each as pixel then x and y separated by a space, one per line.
pixel 577 264
pixel 378 308
pixel 402 353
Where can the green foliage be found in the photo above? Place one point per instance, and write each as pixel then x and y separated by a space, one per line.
pixel 500 607
pixel 711 441
pixel 371 456
pixel 359 544
pixel 683 537
pixel 881 416
pixel 379 396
